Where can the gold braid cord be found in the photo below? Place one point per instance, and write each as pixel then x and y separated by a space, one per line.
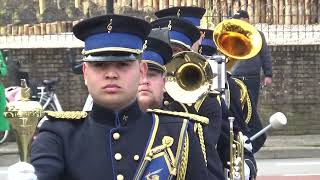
pixel 195 117
pixel 249 114
pixel 184 160
pixel 70 115
pixel 201 140
pixel 245 99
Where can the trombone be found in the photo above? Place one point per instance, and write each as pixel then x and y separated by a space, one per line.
pixel 189 77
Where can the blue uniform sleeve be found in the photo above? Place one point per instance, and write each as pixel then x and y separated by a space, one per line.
pixel 47 155
pixel 254 126
pixel 196 168
pixel 211 109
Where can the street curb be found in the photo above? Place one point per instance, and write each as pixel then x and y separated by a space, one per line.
pixel 288 152
pixel 8 148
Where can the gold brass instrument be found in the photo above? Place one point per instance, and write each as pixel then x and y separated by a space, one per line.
pixel 188 80
pixel 236 163
pixel 24 116
pixel 237 39
pixel 189 77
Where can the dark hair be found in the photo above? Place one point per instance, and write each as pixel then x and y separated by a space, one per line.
pixel 240 14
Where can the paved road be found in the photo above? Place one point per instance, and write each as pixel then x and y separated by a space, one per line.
pixel 289 169
pixel 269 169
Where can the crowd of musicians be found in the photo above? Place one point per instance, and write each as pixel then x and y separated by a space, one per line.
pixel 165 103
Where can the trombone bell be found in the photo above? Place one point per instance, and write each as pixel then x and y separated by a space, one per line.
pixel 189 77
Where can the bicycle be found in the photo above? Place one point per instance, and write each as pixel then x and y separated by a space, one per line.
pixel 46 97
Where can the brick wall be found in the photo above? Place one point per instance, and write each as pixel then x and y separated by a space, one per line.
pixel 295 89
pixel 44 64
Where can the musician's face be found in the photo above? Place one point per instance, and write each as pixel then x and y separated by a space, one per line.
pixel 151 89
pixel 114 85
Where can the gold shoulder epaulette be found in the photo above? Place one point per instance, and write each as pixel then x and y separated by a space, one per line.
pixel 71 115
pixel 195 117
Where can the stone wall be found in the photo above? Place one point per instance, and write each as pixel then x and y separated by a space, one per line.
pixel 295 89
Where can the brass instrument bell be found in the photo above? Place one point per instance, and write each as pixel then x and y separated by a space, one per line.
pixel 237 39
pixel 189 77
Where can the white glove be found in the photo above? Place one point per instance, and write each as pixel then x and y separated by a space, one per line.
pixel 21 171
pixel 247 143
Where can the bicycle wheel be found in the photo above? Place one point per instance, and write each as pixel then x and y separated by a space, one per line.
pixel 4 136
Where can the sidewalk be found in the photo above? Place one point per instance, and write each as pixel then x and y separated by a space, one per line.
pixel 282 147
pixel 276 147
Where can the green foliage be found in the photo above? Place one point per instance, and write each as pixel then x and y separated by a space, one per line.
pixel 3 66
pixel 4 125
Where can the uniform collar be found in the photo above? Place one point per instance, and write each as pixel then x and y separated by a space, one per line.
pixel 123 117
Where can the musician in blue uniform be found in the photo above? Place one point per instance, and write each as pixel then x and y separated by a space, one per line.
pixel 208 49
pixel 116 140
pixel 183 35
pixel 151 89
pixel 179 36
pixel 157 53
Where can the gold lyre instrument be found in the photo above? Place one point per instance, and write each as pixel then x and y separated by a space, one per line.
pixel 237 39
pixel 236 163
pixel 189 77
pixel 24 116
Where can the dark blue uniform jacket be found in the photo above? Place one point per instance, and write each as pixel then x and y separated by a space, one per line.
pixel 87 149
pixel 211 109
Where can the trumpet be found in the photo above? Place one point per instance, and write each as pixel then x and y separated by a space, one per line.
pixel 236 163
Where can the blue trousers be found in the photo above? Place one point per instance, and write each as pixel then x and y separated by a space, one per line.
pixel 253 85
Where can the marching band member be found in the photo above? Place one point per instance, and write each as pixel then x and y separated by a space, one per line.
pixel 151 89
pixel 116 140
pixel 183 35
